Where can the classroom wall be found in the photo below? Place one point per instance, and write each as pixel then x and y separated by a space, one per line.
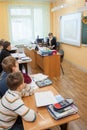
pixel 3 21
pixel 75 55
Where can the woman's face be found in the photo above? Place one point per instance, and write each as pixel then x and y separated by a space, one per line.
pixel 50 37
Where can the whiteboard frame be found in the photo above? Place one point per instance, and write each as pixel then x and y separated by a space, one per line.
pixel 70 29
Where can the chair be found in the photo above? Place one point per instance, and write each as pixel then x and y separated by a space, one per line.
pixel 57 46
pixel 61 59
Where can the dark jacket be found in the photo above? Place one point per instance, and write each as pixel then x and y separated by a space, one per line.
pixel 3 84
pixel 4 53
pixel 53 42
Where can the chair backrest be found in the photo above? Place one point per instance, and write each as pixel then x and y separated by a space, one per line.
pixel 62 55
pixel 57 46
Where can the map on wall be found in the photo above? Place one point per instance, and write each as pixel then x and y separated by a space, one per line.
pixel 70 29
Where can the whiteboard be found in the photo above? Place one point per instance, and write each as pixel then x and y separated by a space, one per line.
pixel 70 29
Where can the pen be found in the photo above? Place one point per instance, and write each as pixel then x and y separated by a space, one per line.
pixel 40 115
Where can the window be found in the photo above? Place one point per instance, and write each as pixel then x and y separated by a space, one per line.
pixel 28 22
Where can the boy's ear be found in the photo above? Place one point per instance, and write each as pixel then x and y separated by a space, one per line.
pixel 20 87
pixel 13 68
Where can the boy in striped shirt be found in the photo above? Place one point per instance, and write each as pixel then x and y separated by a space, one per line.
pixel 11 104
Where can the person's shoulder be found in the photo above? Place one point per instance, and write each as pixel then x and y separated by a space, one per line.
pixel 3 75
pixel 3 51
pixel 12 96
pixel 54 37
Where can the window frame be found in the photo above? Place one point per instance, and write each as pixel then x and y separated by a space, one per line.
pixel 45 7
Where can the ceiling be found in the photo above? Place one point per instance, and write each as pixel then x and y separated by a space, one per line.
pixel 31 0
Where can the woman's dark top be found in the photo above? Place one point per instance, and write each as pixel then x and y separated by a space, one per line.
pixel 53 42
pixel 4 53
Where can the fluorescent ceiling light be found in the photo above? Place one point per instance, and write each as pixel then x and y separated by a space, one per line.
pixel 58 7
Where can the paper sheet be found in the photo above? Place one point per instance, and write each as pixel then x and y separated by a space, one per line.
pixel 44 98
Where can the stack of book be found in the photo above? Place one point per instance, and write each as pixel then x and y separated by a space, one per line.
pixel 44 82
pixel 41 80
pixel 64 108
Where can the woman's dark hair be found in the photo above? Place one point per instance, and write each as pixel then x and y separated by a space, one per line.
pixel 6 44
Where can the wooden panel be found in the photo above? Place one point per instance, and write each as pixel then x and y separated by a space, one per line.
pixel 51 65
pixel 39 60
pixel 31 54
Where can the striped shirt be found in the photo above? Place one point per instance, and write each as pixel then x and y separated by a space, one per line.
pixel 11 105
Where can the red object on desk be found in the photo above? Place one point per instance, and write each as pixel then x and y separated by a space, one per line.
pixel 54 52
pixel 27 78
pixel 57 105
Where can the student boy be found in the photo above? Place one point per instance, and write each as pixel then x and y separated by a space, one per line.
pixel 10 65
pixel 11 104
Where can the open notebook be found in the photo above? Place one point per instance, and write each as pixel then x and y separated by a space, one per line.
pixel 44 98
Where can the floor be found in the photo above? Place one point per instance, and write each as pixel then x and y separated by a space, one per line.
pixel 73 84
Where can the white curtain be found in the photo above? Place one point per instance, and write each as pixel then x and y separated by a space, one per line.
pixel 28 22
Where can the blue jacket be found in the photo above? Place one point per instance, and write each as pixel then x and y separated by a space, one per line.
pixel 3 84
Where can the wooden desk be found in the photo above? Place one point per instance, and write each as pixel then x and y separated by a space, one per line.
pixel 47 121
pixel 50 65
pixel 31 54
pixel 25 61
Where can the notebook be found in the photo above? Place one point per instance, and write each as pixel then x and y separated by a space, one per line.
pixel 44 98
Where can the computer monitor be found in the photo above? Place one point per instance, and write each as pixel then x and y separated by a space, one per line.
pixel 40 40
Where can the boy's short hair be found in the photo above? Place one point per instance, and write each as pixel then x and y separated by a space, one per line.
pixel 6 44
pixel 14 80
pixel 8 63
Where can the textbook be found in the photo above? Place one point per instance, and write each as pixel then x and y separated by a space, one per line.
pixel 44 82
pixel 70 110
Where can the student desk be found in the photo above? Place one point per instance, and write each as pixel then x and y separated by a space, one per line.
pixel 19 56
pixel 50 65
pixel 45 121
